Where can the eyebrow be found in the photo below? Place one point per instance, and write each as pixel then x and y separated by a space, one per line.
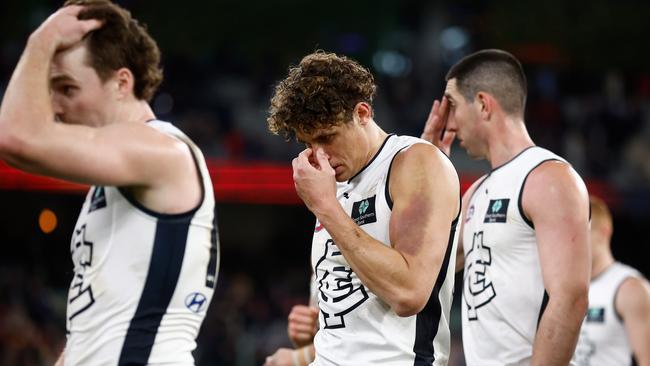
pixel 60 78
pixel 317 136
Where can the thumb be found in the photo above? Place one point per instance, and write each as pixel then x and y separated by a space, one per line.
pixel 91 25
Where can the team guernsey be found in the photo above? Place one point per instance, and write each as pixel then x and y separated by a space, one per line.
pixel 357 327
pixel 142 280
pixel 603 340
pixel 503 291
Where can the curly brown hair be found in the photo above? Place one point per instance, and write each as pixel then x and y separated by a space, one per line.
pixel 121 42
pixel 320 92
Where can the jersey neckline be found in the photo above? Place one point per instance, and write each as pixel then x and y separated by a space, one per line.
pixel 373 158
pixel 512 159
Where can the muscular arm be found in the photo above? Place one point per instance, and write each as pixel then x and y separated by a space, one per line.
pixel 425 190
pixel 633 304
pixel 119 154
pixel 555 199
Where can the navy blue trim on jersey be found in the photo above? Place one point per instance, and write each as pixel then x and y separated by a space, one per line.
pixel 373 158
pixel 389 199
pixel 542 308
pixel 211 275
pixel 512 159
pixel 162 277
pixel 428 320
pixel 497 168
pixel 618 315
pixel 476 189
pixel 602 273
pixel 521 193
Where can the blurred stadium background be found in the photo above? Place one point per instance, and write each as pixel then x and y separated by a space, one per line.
pixel 589 101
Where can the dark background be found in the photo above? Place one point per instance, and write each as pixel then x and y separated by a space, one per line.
pixel 589 101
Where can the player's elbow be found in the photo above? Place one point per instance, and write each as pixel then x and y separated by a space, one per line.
pixel 574 301
pixel 409 303
pixel 12 148
pixel 581 302
pixel 9 144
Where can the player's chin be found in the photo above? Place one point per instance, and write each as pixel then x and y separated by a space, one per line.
pixel 340 173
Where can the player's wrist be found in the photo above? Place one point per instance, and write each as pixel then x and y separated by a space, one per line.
pixel 326 210
pixel 41 40
pixel 302 356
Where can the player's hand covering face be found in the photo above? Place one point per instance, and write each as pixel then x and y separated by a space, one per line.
pixel 314 178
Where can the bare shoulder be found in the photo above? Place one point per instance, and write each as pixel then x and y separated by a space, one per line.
pixel 633 296
pixel 142 133
pixel 152 143
pixel 554 186
pixel 424 159
pixel 160 157
pixel 422 173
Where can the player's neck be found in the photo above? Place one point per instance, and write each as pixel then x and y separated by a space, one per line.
pixel 134 110
pixel 507 139
pixel 377 138
pixel 602 260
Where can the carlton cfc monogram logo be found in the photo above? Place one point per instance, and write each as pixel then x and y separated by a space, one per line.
pixel 478 290
pixel 338 294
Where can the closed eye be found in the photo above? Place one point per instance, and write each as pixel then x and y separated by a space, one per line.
pixel 325 139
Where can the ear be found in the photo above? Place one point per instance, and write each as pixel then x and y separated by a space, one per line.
pixel 362 112
pixel 486 105
pixel 125 82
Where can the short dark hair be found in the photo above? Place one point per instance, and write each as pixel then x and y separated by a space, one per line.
pixel 320 92
pixel 496 72
pixel 121 42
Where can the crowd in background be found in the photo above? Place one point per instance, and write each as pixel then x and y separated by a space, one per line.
pixel 594 113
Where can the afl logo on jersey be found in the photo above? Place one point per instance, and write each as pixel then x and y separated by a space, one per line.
pixel 196 302
pixel 470 213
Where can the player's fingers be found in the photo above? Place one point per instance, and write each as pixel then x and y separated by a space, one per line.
pixel 90 25
pixel 300 308
pixel 322 158
pixel 302 322
pixel 73 10
pixel 444 107
pixel 448 138
pixel 305 314
pixel 305 154
pixel 434 110
pixel 428 126
pixel 301 328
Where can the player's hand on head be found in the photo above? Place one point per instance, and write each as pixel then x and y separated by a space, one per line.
pixel 314 184
pixel 302 325
pixel 63 29
pixel 435 128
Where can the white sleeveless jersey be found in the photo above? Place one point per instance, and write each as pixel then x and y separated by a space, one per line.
pixel 357 327
pixel 603 340
pixel 142 280
pixel 503 290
